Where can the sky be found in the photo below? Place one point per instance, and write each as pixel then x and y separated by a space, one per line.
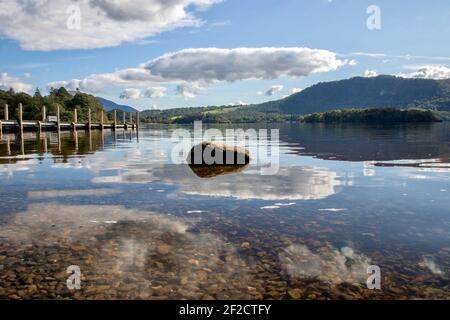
pixel 182 53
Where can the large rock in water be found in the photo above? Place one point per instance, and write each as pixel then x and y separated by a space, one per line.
pixel 211 159
pixel 217 153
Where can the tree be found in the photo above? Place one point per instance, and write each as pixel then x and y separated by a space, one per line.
pixel 32 105
pixel 37 93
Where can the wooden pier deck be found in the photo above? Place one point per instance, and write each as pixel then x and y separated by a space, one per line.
pixel 21 125
pixel 53 126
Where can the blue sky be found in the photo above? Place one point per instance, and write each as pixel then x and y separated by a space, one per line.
pixel 412 41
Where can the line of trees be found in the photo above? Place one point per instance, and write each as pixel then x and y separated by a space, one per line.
pixel 67 102
pixel 376 115
pixel 222 114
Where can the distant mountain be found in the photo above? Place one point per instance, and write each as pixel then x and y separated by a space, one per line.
pixel 353 93
pixel 110 105
pixel 360 92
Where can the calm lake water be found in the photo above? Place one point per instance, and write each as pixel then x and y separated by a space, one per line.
pixel 140 227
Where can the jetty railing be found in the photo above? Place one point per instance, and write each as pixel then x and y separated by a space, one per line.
pixel 44 124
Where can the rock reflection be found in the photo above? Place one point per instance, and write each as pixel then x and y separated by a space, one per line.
pixel 216 170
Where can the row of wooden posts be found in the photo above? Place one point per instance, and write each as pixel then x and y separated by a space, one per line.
pixel 20 139
pixel 73 125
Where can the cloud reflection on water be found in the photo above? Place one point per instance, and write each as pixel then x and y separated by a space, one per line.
pixel 141 255
pixel 327 264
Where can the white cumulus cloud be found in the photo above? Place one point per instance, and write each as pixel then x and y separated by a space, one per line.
pixel 214 64
pixel 86 24
pixel 188 90
pixel 370 74
pixel 7 82
pixel 437 72
pixel 131 93
pixel 155 92
pixel 238 103
pixel 97 82
pixel 274 90
pixel 291 92
pixel 194 69
pixel 295 90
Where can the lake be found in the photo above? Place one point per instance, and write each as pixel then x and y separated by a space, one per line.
pixel 138 226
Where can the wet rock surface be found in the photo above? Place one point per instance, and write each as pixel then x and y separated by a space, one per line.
pixel 218 153
pixel 212 159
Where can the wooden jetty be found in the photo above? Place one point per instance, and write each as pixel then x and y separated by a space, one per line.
pixel 43 124
pixel 13 145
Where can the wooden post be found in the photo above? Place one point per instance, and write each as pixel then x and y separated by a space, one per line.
pixel 38 138
pixel 115 119
pixel 20 118
pixel 131 120
pixel 137 126
pixel 102 121
pixel 75 120
pixel 45 143
pixel 137 120
pixel 59 138
pixel 1 129
pixel 44 114
pixel 8 146
pixel 76 140
pixel 6 112
pixel 22 143
pixel 22 148
pixel 124 120
pixel 89 115
pixel 57 118
pixel 90 140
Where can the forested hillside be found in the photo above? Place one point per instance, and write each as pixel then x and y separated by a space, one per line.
pixel 361 92
pixel 223 114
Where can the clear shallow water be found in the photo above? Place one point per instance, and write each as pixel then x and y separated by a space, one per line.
pixel 140 227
